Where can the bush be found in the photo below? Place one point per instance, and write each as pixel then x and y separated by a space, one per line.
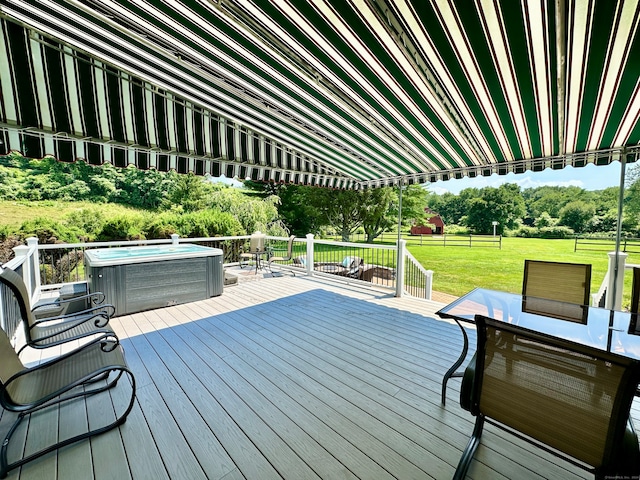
pixel 526 232
pixel 122 227
pixel 456 230
pixel 557 232
pixel 208 223
pixel 204 223
pixel 49 231
pixel 88 221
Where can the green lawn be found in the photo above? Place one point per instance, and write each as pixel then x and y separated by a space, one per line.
pixel 14 213
pixel 458 270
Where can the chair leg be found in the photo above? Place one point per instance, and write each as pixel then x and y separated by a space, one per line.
pixel 5 466
pixel 472 446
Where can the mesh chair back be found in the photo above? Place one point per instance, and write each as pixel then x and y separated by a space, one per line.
pixel 256 243
pixel 565 286
pixel 15 302
pixel 635 292
pixel 10 364
pixel 573 398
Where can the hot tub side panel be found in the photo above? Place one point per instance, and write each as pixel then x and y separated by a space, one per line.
pixel 143 286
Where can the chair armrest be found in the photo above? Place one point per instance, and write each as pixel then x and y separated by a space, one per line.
pixel 466 389
pixel 106 311
pixel 95 298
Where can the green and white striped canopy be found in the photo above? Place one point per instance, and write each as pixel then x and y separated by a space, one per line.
pixel 337 93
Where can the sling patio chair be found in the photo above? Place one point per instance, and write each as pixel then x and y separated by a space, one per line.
pixel 256 249
pixel 569 399
pixel 91 369
pixel 50 331
pixel 283 258
pixel 557 289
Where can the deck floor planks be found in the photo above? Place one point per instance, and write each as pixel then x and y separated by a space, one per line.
pixel 266 403
pixel 228 398
pixel 312 415
pixel 323 422
pixel 329 373
pixel 339 395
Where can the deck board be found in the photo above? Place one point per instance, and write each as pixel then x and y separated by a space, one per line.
pixel 286 377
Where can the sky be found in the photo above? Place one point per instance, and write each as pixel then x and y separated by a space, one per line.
pixel 589 177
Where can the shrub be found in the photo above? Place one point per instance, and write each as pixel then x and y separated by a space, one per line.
pixel 88 221
pixel 556 232
pixel 208 223
pixel 49 231
pixel 456 230
pixel 122 227
pixel 526 232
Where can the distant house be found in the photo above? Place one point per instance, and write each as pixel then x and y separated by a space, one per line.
pixel 435 222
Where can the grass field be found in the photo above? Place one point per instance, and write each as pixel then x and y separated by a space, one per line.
pixel 14 213
pixel 457 270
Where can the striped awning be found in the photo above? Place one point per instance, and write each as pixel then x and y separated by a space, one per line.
pixel 337 93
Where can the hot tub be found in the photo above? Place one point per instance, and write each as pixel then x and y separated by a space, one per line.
pixel 134 279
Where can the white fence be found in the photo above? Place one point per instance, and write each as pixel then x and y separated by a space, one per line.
pixel 49 266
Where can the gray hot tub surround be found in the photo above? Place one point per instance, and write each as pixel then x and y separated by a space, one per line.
pixel 134 279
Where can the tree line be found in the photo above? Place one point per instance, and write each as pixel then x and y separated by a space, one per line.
pixel 194 206
pixel 547 211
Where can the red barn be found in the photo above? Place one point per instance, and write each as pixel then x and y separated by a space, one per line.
pixel 435 222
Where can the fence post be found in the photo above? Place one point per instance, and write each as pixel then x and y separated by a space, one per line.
pixel 428 287
pixel 611 302
pixel 402 245
pixel 174 238
pixel 310 254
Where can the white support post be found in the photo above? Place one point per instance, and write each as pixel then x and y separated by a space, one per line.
pixel 34 262
pixel 402 245
pixel 174 238
pixel 22 251
pixel 613 299
pixel 429 285
pixel 309 253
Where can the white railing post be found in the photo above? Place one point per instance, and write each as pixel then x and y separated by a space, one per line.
pixel 428 284
pixel 309 253
pixel 402 245
pixel 174 238
pixel 34 263
pixel 615 284
pixel 21 253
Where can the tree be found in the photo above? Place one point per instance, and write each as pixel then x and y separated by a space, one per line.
pixel 376 211
pixel 342 209
pixel 253 213
pixel 632 196
pixel 504 205
pixel 577 215
pixel 190 192
pixel 143 188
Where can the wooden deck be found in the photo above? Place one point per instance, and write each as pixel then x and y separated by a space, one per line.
pixel 289 378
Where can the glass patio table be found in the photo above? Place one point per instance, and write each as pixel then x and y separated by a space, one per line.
pixel 608 330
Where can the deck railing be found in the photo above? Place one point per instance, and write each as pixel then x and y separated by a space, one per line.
pixel 49 266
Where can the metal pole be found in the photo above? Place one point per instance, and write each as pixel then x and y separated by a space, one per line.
pixel 623 167
pixel 399 211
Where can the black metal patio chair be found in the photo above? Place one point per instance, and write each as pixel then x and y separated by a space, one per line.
pixel 570 400
pixel 93 368
pixel 49 331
